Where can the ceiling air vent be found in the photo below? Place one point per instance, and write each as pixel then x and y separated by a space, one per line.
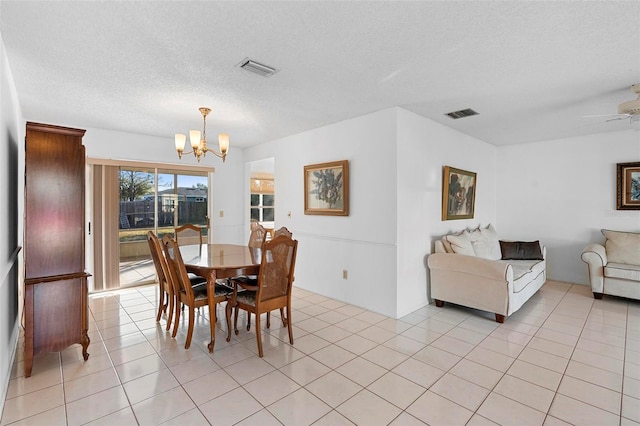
pixel 462 113
pixel 256 67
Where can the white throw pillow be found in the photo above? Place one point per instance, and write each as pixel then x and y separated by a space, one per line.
pixel 461 243
pixel 622 247
pixel 485 243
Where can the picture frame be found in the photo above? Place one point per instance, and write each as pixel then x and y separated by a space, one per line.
pixel 326 188
pixel 458 193
pixel 628 186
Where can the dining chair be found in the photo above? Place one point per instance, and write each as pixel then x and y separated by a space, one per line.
pixel 272 290
pixel 257 236
pixel 192 296
pixel 167 295
pixel 282 231
pixel 167 298
pixel 189 234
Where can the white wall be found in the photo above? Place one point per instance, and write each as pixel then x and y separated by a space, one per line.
pixel 396 159
pixel 228 179
pixel 363 243
pixel 563 192
pixel 12 132
pixel 424 147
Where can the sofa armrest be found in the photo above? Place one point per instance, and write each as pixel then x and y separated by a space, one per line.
pixel 595 256
pixel 471 281
pixel 471 265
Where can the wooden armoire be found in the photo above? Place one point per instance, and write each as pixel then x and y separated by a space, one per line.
pixel 55 304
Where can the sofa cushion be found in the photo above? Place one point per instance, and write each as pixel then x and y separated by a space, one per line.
pixel 447 244
pixel 485 243
pixel 622 247
pixel 622 270
pixel 521 250
pixel 524 271
pixel 461 243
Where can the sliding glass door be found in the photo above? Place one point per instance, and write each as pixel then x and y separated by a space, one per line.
pixel 158 200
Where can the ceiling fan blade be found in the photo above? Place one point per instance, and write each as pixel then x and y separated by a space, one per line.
pixel 619 116
pixel 622 117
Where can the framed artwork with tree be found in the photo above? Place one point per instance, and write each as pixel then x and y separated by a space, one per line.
pixel 326 188
pixel 628 186
pixel 458 194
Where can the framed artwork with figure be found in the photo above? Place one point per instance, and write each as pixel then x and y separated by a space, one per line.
pixel 326 188
pixel 628 186
pixel 458 193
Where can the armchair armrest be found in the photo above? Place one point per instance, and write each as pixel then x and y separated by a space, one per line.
pixel 595 256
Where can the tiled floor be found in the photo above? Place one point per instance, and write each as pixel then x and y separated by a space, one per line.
pixel 564 358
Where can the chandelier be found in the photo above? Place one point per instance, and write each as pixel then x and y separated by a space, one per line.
pixel 199 140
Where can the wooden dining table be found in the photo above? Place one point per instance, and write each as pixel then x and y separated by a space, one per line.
pixel 215 261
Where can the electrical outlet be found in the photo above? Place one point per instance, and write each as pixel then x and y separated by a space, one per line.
pixel 344 274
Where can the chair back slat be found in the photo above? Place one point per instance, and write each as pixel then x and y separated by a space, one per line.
pixel 189 234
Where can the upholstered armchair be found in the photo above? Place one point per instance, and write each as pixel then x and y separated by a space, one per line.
pixel 614 267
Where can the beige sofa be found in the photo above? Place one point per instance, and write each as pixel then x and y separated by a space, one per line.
pixel 470 269
pixel 614 268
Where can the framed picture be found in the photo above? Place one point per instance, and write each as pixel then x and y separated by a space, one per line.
pixel 326 188
pixel 458 194
pixel 628 183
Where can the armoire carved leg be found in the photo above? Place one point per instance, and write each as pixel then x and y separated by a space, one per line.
pixel 439 303
pixel 85 344
pixel 500 318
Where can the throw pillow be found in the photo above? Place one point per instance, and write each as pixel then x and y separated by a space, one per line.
pixel 521 250
pixel 461 244
pixel 622 247
pixel 485 243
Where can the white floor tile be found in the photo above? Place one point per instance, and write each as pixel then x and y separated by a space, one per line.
pixel 333 388
pixel 579 413
pixel 434 409
pixel 563 358
pixel 507 411
pixel 313 410
pixel 396 389
pixel 367 408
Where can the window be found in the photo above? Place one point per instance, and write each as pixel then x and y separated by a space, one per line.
pixel 263 201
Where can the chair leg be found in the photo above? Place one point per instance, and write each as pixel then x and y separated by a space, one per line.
pixel 190 330
pixel 235 321
pixel 289 324
pixel 259 335
pixel 248 321
pixel 284 319
pixel 177 320
pixel 227 311
pixel 170 314
pixel 268 319
pixel 161 306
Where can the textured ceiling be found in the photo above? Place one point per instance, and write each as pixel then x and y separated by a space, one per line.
pixel 531 69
